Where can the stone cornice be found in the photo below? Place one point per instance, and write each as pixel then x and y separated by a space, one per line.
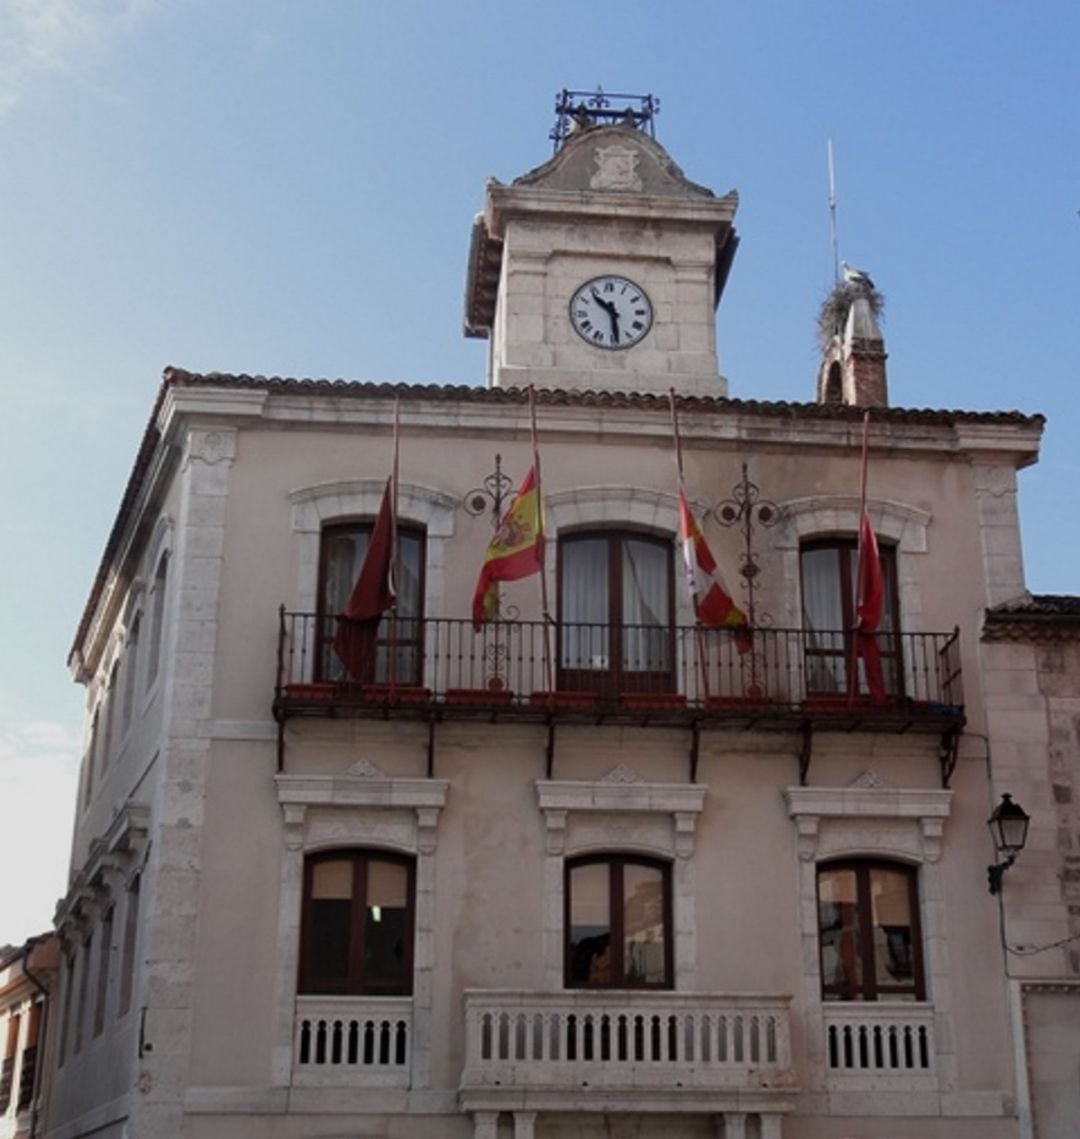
pixel 352 790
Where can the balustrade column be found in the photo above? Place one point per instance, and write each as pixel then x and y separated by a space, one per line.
pixel 485 1124
pixel 772 1125
pixel 734 1124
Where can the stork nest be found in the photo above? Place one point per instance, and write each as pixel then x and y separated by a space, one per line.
pixel 837 305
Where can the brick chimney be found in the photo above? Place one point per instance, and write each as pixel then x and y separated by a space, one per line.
pixel 853 364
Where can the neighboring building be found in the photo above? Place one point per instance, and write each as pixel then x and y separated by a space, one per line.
pixel 1031 666
pixel 645 882
pixel 27 977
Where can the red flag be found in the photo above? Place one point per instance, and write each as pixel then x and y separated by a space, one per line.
pixel 869 601
pixel 516 551
pixel 713 605
pixel 372 595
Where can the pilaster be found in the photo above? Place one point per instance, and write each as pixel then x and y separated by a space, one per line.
pixel 174 867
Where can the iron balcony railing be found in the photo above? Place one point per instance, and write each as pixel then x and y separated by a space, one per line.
pixel 536 666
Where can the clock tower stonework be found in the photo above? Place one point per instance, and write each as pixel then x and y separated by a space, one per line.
pixel 564 257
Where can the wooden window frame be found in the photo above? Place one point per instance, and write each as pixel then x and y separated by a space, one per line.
pixel 356 984
pixel 616 679
pixel 616 899
pixel 872 988
pixel 326 622
pixel 888 640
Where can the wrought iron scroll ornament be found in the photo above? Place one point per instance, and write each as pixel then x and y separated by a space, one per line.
pixel 492 495
pixel 574 109
pixel 747 509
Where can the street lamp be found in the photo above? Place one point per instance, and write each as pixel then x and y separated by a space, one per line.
pixel 1008 827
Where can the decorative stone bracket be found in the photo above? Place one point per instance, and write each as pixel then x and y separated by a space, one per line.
pixel 362 786
pixel 868 818
pixel 111 862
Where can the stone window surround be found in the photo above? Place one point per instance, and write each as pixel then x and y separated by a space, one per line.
pixel 820 516
pixel 316 506
pixel 620 814
pixel 623 507
pixel 361 807
pixel 868 819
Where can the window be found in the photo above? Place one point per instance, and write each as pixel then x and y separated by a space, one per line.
pixel 618 923
pixel 868 929
pixel 357 928
pixel 104 955
pixel 107 737
pixel 127 961
pixel 829 568
pixel 28 1066
pixel 65 1020
pixel 615 606
pixel 84 984
pixel 341 556
pixel 157 618
pixel 131 669
pixel 7 1067
pixel 89 757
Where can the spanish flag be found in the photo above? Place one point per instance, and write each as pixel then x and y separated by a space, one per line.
pixel 713 605
pixel 516 551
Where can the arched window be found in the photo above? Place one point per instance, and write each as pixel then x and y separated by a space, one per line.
pixel 829 568
pixel 157 618
pixel 618 923
pixel 868 931
pixel 90 757
pixel 357 925
pixel 131 669
pixel 108 740
pixel 341 557
pixel 834 384
pixel 615 612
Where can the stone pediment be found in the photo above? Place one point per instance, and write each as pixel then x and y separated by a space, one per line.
pixel 614 160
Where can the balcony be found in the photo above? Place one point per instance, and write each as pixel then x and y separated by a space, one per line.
pixel 677 1051
pixel 362 1041
pixel 439 668
pixel 880 1045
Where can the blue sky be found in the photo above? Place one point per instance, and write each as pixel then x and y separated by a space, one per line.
pixel 253 186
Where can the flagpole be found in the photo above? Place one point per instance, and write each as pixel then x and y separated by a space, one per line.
pixel 549 672
pixel 699 633
pixel 832 217
pixel 394 569
pixel 853 677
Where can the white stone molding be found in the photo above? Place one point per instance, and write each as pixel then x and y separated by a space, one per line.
pixel 621 774
pixel 185 682
pixel 999 531
pixel 161 542
pixel 626 507
pixel 211 446
pixel 313 507
pixel 621 812
pixel 867 819
pixel 362 807
pixel 825 515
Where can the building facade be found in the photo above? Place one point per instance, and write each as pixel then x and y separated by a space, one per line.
pixel 27 978
pixel 589 871
pixel 1031 662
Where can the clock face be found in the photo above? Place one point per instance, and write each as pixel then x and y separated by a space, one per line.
pixel 611 312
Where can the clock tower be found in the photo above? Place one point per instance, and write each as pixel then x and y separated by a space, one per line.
pixel 602 268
